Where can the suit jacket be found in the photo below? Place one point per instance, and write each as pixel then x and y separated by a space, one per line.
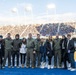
pixel 49 50
pixel 65 44
pixel 1 49
pixel 71 46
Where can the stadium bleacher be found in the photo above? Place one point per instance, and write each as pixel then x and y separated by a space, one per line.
pixel 43 29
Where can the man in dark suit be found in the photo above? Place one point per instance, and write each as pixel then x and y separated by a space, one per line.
pixel 71 50
pixel 1 50
pixel 64 55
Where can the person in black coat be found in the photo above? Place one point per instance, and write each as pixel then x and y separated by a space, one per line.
pixel 64 55
pixel 1 50
pixel 49 50
pixel 71 50
pixel 42 53
pixel 16 48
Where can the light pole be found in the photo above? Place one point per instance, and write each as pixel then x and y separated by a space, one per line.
pixel 15 11
pixel 50 7
pixel 29 9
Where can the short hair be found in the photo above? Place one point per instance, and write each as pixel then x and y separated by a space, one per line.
pixel 69 35
pixel 30 34
pixel 1 36
pixel 8 33
pixel 17 35
pixel 25 40
pixel 38 34
pixel 63 35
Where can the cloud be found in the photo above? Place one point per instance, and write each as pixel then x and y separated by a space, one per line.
pixel 37 19
pixel 24 4
pixel 51 6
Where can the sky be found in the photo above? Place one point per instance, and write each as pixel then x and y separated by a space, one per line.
pixel 64 11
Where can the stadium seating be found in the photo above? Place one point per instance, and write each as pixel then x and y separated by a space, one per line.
pixel 43 29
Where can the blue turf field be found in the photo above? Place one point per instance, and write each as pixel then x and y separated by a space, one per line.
pixel 37 71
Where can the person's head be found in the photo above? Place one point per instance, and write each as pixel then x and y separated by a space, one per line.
pixel 63 37
pixel 38 36
pixel 47 40
pixel 24 40
pixel 57 36
pixel 42 40
pixel 1 37
pixel 69 36
pixel 8 35
pixel 30 35
pixel 17 36
pixel 50 37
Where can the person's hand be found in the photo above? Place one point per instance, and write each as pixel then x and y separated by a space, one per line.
pixel 68 51
pixel 47 52
pixel 34 52
pixel 3 58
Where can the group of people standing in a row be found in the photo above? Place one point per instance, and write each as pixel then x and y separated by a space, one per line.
pixel 36 52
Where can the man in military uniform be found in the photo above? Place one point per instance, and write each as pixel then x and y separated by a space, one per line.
pixel 57 51
pixel 37 48
pixel 30 52
pixel 8 49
